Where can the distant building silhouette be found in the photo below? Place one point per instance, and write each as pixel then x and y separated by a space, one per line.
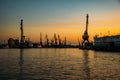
pixel 13 43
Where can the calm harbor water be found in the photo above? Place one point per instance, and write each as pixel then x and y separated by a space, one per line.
pixel 58 64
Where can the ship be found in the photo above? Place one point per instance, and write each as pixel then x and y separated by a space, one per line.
pixel 107 43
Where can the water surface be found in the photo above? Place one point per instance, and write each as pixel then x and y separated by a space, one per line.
pixel 58 64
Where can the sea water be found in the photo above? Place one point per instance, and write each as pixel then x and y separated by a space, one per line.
pixel 58 64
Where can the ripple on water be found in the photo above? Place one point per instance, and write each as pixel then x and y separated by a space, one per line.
pixel 58 64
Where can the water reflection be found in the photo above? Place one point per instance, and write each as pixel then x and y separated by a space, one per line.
pixel 21 62
pixel 58 64
pixel 86 67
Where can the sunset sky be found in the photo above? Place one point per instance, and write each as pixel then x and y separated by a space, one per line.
pixel 63 17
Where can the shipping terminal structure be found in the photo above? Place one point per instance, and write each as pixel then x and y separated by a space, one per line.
pixel 105 43
pixel 86 44
pixel 55 42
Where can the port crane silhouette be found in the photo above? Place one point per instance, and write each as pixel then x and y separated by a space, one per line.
pixel 85 36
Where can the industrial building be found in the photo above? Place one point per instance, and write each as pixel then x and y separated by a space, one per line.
pixel 111 43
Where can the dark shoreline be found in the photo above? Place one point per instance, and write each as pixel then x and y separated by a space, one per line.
pixel 81 48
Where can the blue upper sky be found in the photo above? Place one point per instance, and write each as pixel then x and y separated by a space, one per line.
pixel 43 10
